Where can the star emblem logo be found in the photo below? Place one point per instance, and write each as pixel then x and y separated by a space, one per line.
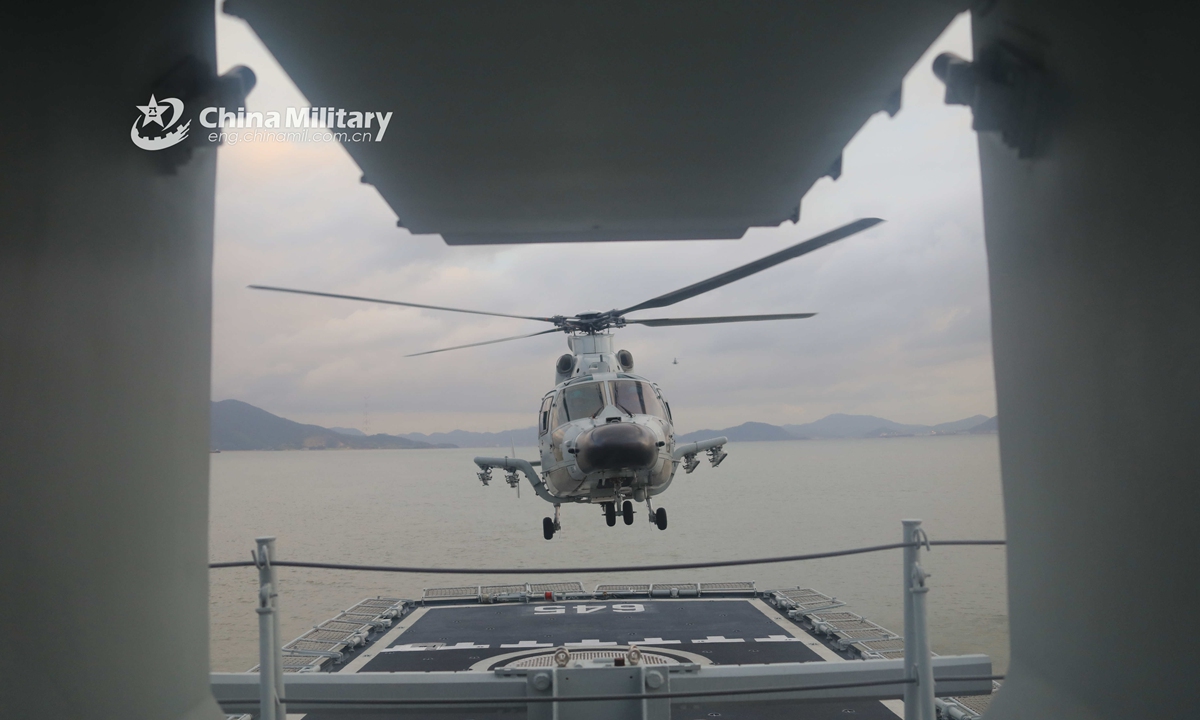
pixel 153 112
pixel 156 112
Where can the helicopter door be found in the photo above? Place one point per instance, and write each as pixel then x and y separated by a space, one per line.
pixel 544 415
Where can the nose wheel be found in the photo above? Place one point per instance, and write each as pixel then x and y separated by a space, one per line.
pixel 610 513
pixel 627 512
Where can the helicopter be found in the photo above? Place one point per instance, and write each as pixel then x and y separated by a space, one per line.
pixel 606 435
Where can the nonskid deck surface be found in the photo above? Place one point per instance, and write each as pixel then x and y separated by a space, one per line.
pixel 484 637
pixel 482 629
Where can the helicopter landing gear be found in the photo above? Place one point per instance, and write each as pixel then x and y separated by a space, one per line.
pixel 658 517
pixel 610 513
pixel 549 527
pixel 627 512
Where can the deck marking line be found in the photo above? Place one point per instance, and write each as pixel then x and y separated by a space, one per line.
pixel 526 644
pixel 392 635
pixel 778 638
pixel 589 643
pixel 797 632
pixel 896 706
pixel 654 641
pixel 413 647
pixel 719 639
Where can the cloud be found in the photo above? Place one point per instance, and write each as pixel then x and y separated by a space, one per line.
pixel 903 324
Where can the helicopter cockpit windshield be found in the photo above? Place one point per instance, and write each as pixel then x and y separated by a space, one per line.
pixel 636 398
pixel 581 401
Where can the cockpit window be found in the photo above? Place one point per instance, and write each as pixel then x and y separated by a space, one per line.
pixel 581 401
pixel 636 398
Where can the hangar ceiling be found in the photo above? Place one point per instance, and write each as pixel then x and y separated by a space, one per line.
pixel 518 122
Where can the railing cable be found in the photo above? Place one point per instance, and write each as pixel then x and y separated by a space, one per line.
pixel 601 569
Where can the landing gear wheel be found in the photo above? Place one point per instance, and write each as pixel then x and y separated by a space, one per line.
pixel 610 513
pixel 547 528
pixel 660 518
pixel 627 511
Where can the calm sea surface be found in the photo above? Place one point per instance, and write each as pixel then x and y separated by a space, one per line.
pixel 425 507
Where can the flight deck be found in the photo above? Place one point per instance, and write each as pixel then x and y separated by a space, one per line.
pixel 514 628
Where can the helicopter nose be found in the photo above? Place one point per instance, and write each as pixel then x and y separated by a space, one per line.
pixel 616 446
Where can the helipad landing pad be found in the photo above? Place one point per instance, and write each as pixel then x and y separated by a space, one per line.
pixel 719 631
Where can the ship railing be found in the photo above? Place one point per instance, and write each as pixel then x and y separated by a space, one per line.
pixel 524 592
pixel 631 691
pixel 558 591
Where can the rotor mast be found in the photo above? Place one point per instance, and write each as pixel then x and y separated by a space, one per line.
pixel 593 353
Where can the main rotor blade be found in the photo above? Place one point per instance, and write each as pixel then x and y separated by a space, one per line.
pixel 485 342
pixel 759 265
pixel 397 302
pixel 667 322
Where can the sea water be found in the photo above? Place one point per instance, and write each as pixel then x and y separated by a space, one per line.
pixel 427 508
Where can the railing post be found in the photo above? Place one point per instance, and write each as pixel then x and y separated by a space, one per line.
pixel 270 653
pixel 923 659
pixel 918 659
pixel 910 561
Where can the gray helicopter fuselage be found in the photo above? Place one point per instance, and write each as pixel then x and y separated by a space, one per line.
pixel 606 436
pixel 604 433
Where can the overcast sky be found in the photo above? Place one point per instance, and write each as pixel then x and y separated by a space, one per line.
pixel 902 331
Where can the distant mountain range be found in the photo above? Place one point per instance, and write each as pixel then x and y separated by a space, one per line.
pixel 990 425
pixel 525 437
pixel 235 425
pixel 842 426
pixel 348 431
pixel 240 426
pixel 746 432
pixel 858 426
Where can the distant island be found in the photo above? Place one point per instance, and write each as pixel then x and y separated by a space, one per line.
pixel 237 425
pixel 523 437
pixel 991 425
pixel 840 427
